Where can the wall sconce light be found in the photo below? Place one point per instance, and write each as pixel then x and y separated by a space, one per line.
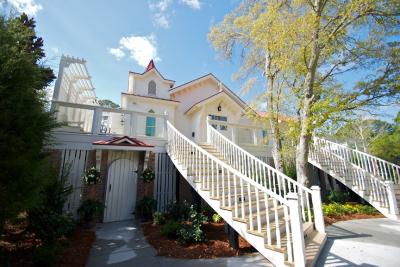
pixel 219 107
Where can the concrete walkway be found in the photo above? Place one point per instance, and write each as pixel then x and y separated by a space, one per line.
pixel 123 244
pixel 371 242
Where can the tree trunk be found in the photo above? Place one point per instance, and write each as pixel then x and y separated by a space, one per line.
pixel 273 117
pixel 307 101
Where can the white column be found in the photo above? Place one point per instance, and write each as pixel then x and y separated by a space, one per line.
pixel 254 137
pixel 297 230
pixel 96 120
pixel 393 208
pixel 132 125
pixel 317 207
pixel 208 130
pixel 165 117
pixel 234 134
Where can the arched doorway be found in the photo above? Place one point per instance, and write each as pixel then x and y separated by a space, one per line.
pixel 121 190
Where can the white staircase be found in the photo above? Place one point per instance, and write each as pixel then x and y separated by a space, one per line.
pixel 375 180
pixel 277 216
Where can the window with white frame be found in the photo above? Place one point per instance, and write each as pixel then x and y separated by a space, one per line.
pixel 150 125
pixel 152 89
pixel 222 127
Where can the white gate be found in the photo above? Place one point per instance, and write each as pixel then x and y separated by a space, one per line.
pixel 121 189
pixel 165 182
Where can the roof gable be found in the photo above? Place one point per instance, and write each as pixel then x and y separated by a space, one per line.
pixel 122 141
pixel 151 68
pixel 211 77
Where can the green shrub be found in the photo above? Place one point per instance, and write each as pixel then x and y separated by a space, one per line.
pixel 193 233
pixel 337 209
pixel 216 218
pixel 90 209
pixel 146 207
pixel 49 226
pixel 45 255
pixel 338 197
pixel 179 211
pixel 158 218
pixel 170 229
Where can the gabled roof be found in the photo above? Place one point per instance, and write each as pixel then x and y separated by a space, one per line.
pixel 122 141
pixel 207 100
pixel 152 67
pixel 212 77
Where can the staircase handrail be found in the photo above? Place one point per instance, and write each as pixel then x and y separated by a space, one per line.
pixel 262 172
pixel 226 166
pixel 384 169
pixel 270 168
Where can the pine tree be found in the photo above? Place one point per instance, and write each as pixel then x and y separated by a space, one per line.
pixel 25 121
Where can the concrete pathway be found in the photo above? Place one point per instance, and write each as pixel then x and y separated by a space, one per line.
pixel 368 243
pixel 123 244
pixel 371 242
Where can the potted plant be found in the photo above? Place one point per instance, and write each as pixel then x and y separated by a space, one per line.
pixel 89 210
pixel 92 176
pixel 148 175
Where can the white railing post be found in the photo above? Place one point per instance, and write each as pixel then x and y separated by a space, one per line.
pixel 317 207
pixel 297 230
pixel 96 120
pixel 393 208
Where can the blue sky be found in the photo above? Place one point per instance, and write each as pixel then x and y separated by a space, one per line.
pixel 122 35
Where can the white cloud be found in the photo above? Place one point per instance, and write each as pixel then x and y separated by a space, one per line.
pixel 160 6
pixel 30 7
pixel 161 20
pixel 116 52
pixel 193 4
pixel 160 9
pixel 140 48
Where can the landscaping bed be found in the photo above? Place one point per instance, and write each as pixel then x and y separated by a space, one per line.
pixel 217 244
pixel 20 247
pixel 335 212
pixel 77 248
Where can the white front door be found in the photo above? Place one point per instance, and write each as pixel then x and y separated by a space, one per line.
pixel 121 190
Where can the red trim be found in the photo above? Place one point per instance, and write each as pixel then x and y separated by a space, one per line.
pixel 150 66
pixel 116 141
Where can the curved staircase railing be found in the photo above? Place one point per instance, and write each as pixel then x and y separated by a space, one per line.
pixel 259 171
pixel 264 212
pixel 370 177
pixel 380 168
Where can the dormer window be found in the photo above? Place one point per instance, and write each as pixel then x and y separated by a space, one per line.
pixel 152 88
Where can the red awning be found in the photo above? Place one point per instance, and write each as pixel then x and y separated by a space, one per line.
pixel 125 141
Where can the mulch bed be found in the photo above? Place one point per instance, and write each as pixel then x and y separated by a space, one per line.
pixel 217 244
pixel 334 219
pixel 18 244
pixel 77 250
